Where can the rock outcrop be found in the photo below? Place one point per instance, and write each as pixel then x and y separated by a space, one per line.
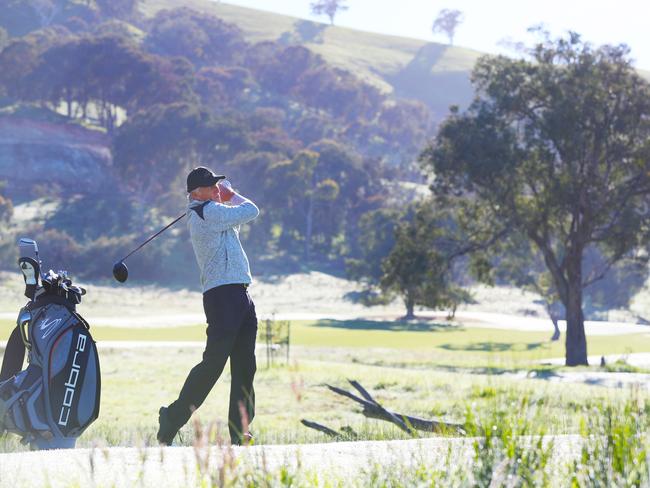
pixel 34 151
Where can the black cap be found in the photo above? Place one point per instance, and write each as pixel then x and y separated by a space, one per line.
pixel 201 177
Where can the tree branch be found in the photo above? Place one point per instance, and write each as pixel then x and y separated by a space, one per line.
pixel 597 276
pixel 409 424
pixel 320 428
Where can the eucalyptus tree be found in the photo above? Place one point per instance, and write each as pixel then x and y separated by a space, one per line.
pixel 447 22
pixel 328 7
pixel 418 267
pixel 554 148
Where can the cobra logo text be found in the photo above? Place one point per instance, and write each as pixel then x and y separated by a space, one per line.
pixel 71 384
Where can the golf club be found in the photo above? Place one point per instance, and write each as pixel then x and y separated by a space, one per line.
pixel 120 271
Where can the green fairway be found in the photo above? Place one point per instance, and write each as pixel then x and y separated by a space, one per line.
pixel 430 342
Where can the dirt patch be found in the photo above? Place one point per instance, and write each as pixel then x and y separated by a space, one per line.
pixel 56 153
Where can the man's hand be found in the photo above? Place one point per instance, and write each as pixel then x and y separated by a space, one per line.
pixel 225 191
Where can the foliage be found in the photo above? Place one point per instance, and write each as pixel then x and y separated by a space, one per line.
pixel 297 72
pixel 108 72
pixel 104 77
pixel 61 249
pixel 615 447
pixel 417 267
pixel 86 217
pixel 618 286
pixel 338 92
pixel 376 230
pixel 328 7
pixel 279 68
pixel 223 87
pixel 202 39
pixel 156 145
pixel 537 156
pixel 121 9
pixel 509 447
pixel 305 194
pixel 4 38
pixel 516 262
pixel 312 199
pixel 20 17
pixel 405 123
pixel 183 88
pixel 18 59
pixel 6 205
pixel 447 22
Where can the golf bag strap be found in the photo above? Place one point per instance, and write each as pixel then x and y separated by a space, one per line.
pixel 81 320
pixel 12 361
pixel 199 209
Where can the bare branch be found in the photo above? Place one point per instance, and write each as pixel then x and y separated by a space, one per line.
pixel 476 246
pixel 320 428
pixel 597 276
pixel 362 390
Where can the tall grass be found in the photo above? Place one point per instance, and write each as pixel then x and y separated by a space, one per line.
pixel 520 432
pixel 616 447
pixel 507 445
pixel 509 448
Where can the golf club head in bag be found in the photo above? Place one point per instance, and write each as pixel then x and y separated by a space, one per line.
pixel 51 402
pixel 30 265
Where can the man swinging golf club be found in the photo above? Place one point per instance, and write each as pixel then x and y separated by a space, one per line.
pixel 214 215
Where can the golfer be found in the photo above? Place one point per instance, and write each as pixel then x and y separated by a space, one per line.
pixel 214 216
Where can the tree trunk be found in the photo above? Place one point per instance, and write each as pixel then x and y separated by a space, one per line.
pixel 309 227
pixel 551 310
pixel 452 313
pixel 556 330
pixel 111 119
pixel 410 307
pixel 576 342
pixel 83 100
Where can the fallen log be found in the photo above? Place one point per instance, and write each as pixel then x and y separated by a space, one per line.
pixel 408 423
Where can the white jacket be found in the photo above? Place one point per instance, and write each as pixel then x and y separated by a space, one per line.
pixel 214 229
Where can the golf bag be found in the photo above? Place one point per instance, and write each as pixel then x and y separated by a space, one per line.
pixel 52 401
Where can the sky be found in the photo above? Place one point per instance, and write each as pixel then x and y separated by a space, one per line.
pixel 488 23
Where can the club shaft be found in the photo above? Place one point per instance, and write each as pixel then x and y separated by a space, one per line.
pixel 153 237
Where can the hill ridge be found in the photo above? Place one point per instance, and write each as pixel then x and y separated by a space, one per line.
pixel 378 59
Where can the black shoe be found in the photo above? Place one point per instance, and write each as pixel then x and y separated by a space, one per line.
pixel 245 439
pixel 167 430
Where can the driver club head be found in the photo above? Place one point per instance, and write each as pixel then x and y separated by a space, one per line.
pixel 120 271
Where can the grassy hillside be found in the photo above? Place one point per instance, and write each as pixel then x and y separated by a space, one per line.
pixel 434 73
pixel 437 74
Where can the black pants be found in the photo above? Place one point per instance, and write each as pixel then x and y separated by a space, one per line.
pixel 232 330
